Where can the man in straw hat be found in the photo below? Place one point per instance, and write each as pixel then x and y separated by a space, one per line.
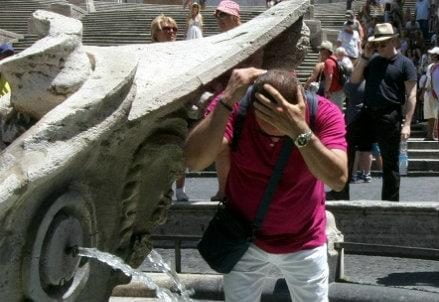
pixel 390 100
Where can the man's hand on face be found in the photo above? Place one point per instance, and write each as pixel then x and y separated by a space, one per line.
pixel 239 82
pixel 288 118
pixel 369 49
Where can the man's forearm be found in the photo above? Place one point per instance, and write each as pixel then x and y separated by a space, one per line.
pixel 205 141
pixel 357 74
pixel 330 166
pixel 410 108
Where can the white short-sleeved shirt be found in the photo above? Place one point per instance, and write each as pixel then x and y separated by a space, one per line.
pixel 350 42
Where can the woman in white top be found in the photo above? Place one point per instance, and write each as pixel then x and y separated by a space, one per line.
pixel 194 23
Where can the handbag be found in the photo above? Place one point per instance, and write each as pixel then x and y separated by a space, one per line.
pixel 228 236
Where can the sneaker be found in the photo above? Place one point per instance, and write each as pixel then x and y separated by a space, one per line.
pixel 181 196
pixel 367 178
pixel 355 178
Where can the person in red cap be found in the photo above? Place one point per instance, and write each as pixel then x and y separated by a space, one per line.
pixel 227 15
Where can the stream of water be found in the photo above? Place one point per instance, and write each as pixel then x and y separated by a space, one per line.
pixel 163 294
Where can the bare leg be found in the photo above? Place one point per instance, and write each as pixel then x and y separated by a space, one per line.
pixel 430 128
pixel 180 193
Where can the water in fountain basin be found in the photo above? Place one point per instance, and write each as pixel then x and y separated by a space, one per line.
pixel 157 261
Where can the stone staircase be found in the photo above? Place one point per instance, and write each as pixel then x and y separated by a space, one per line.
pixel 15 14
pixel 132 25
pixel 116 24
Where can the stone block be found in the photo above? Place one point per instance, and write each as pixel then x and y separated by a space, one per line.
pixel 9 37
pixel 315 27
pixel 61 8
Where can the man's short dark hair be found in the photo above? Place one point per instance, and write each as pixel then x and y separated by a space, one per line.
pixel 284 81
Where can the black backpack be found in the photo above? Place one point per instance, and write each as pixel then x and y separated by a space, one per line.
pixel 245 103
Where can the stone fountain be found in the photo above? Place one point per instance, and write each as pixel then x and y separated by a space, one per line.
pixel 96 167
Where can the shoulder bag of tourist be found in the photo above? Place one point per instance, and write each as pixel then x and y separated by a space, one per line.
pixel 228 236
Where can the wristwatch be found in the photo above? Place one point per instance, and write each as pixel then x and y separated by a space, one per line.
pixel 303 139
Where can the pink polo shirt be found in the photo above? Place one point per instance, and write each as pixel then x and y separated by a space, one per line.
pixel 296 218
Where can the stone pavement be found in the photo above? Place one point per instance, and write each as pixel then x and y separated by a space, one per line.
pixel 412 189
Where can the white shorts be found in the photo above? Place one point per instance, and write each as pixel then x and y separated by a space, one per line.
pixel 431 106
pixel 306 273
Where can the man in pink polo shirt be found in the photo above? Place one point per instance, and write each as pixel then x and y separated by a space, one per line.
pixel 292 236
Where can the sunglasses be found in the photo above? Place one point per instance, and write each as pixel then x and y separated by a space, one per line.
pixel 381 44
pixel 221 15
pixel 169 29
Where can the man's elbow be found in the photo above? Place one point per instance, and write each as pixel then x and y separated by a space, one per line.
pixel 339 184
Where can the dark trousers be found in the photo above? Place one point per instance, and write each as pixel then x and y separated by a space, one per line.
pixel 352 138
pixel 423 24
pixel 384 127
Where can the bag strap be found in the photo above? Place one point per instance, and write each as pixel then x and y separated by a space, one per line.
pixel 244 105
pixel 273 182
pixel 285 152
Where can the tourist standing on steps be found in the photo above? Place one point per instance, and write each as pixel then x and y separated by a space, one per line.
pixel 434 73
pixel 292 237
pixel 164 29
pixel 431 103
pixel 350 40
pixel 228 17
pixel 422 12
pixel 194 23
pixel 390 100
pixel 186 3
pixel 350 17
pixel 333 89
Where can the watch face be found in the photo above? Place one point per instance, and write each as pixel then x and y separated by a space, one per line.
pixel 301 140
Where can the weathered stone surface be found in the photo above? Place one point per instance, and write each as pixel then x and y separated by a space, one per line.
pixel 61 8
pixel 9 37
pixel 395 223
pixel 100 160
pixel 315 33
pixel 55 67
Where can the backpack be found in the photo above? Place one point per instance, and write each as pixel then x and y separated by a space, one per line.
pixel 344 73
pixel 245 103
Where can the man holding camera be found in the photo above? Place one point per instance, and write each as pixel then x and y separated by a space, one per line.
pixel 292 236
pixel 390 100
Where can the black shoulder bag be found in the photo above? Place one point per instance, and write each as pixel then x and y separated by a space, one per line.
pixel 228 236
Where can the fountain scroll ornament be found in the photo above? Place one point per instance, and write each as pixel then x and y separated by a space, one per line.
pixel 96 168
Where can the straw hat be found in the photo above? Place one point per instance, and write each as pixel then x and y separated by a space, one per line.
pixel 382 32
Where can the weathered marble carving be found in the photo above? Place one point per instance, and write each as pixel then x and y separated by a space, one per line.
pixel 97 167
